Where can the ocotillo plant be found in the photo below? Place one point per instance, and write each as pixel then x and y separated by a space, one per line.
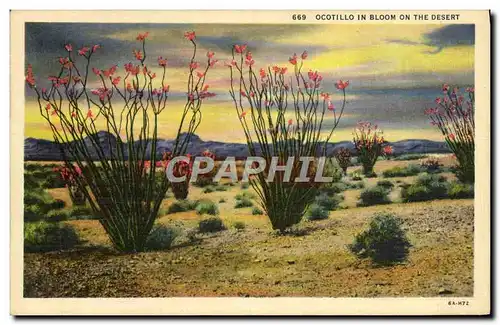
pixel 369 143
pixel 343 157
pixel 181 168
pixel 207 178
pixel 454 116
pixel 75 193
pixel 120 183
pixel 284 117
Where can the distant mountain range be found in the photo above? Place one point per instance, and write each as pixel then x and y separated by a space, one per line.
pixel 40 149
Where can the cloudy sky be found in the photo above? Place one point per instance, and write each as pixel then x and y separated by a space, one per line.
pixel 395 71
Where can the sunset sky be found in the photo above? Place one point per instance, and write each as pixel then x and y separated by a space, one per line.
pixel 395 71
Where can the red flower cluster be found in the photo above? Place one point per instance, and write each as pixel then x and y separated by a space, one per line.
pixel 190 35
pixel 68 176
pixel 30 77
pixel 142 37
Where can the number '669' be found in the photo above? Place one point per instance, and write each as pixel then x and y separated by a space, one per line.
pixel 299 17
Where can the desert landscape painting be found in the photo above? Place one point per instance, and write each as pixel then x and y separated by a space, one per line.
pixel 249 160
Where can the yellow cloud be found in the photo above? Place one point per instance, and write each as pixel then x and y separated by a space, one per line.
pixel 356 35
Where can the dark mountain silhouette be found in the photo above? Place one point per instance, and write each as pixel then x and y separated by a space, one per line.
pixel 40 149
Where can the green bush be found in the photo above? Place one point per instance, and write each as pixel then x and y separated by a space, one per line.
pixel 33 213
pixel 384 242
pixel 426 179
pixel 48 236
pixel 333 188
pixel 243 195
pixel 56 204
pixel 327 202
pixel 207 207
pixel 245 186
pixel 212 224
pixel 239 225
pixel 410 156
pixel 332 169
pixel 410 170
pixel 426 187
pixel 316 212
pixel 356 176
pixel 243 203
pixel 81 213
pixel 460 191
pixel 221 188
pixel 374 195
pixel 244 200
pixel 222 200
pixel 181 206
pixel 56 216
pixel 256 211
pixel 161 237
pixel 208 189
pixel 40 198
pixel 385 184
pixel 356 185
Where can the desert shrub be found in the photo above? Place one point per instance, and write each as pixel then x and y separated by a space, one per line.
pixel 333 188
pixel 239 225
pixel 427 179
pixel 356 176
pixel 244 186
pixel 181 206
pixel 431 165
pixel 374 195
pixel 244 194
pixel 161 237
pixel 459 190
pixel 410 156
pixel 385 184
pixel 222 200
pixel 356 185
pixel 328 202
pixel 56 204
pixel 244 202
pixel 30 182
pixel 38 204
pixel 36 198
pixel 384 242
pixel 416 193
pixel 332 169
pixel 410 170
pixel 56 216
pixel 221 188
pixel 316 212
pixel 208 189
pixel 33 213
pixel 427 187
pixel 257 211
pixel 212 224
pixel 207 207
pixel 81 213
pixel 42 176
pixel 48 236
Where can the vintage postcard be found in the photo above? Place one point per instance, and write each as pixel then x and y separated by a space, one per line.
pixel 250 163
